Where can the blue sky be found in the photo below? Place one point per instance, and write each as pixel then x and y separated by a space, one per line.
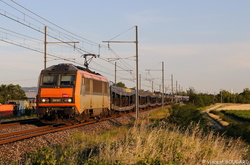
pixel 204 44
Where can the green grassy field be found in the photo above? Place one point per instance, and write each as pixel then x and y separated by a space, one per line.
pixel 240 114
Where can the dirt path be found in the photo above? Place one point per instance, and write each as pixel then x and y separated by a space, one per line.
pixel 210 109
pixel 213 119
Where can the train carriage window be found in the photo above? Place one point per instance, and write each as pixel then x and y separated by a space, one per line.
pixel 87 85
pixel 83 86
pixel 97 86
pixel 105 85
pixel 49 80
pixel 68 80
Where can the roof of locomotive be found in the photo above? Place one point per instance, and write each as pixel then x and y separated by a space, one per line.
pixel 68 67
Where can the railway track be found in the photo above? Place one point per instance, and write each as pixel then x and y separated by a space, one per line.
pixel 29 133
pixel 9 124
pixel 18 122
pixel 20 135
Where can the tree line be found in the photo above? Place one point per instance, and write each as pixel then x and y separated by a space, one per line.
pixel 11 92
pixel 204 99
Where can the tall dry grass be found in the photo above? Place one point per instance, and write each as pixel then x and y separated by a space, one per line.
pixel 164 146
pixel 143 143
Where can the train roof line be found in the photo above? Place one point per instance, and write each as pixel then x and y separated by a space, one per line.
pixel 69 66
pixel 87 70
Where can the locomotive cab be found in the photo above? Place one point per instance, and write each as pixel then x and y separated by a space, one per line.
pixel 55 97
pixel 69 92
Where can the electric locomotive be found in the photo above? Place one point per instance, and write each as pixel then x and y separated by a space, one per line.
pixel 72 93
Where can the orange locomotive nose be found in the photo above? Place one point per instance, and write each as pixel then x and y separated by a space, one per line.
pixel 56 97
pixel 56 92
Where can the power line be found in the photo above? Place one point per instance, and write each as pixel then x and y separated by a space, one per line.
pixel 34 27
pixel 121 59
pixel 6 14
pixel 21 34
pixel 20 11
pixel 36 50
pixel 117 66
pixel 38 29
pixel 121 33
pixel 53 23
pixel 19 45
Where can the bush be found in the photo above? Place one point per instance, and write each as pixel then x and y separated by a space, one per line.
pixel 238 130
pixel 184 115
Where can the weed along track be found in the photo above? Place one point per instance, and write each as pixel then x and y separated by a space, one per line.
pixel 29 133
pixel 16 151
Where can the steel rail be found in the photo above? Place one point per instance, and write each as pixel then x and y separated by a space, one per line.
pixel 9 124
pixel 14 136
pixel 25 134
pixel 17 122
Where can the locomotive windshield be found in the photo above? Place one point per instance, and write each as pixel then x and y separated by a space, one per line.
pixel 58 81
pixel 49 80
pixel 67 80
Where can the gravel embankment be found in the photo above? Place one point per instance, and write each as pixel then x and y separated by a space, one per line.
pixel 10 129
pixel 15 151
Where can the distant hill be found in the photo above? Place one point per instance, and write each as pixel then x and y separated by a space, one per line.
pixel 30 92
pixel 30 89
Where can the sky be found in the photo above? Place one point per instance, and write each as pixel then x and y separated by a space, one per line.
pixel 203 44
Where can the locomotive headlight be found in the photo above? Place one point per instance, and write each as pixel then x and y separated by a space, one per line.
pixel 68 100
pixel 45 100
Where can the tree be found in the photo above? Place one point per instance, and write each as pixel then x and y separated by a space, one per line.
pixel 200 99
pixel 9 92
pixel 120 84
pixel 192 94
pixel 245 96
pixel 185 115
pixel 226 96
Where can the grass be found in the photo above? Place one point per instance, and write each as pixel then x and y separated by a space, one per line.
pixel 6 118
pixel 242 115
pixel 223 116
pixel 142 145
pixel 235 129
pixel 144 142
pixel 159 114
pixel 28 113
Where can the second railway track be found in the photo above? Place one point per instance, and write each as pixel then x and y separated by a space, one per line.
pixel 29 133
pixel 18 122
